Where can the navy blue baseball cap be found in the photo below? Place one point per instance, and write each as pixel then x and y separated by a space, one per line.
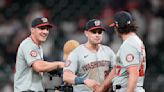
pixel 123 18
pixel 94 24
pixel 41 21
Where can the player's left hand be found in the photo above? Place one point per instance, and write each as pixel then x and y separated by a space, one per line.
pixel 91 83
pixel 96 87
pixel 99 89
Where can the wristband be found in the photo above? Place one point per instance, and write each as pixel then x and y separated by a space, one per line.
pixel 79 80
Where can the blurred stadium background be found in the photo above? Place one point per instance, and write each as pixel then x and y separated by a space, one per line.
pixel 69 18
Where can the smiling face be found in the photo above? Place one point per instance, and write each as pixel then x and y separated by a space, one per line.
pixel 40 34
pixel 94 36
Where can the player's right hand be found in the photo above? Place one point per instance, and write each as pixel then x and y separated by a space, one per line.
pixel 99 89
pixel 91 83
pixel 61 64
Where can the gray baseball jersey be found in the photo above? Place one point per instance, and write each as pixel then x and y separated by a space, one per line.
pixel 87 64
pixel 131 52
pixel 25 77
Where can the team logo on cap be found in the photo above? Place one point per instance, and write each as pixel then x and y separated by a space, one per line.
pixel 128 22
pixel 130 57
pixel 116 23
pixel 44 19
pixel 97 23
pixel 33 53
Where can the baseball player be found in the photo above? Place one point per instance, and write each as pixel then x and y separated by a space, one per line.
pixel 87 65
pixel 131 58
pixel 30 63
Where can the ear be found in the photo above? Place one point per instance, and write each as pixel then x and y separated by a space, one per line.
pixel 86 33
pixel 32 30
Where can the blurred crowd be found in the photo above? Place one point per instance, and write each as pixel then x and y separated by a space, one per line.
pixel 69 18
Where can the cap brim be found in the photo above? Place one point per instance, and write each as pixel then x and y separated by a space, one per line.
pixel 96 28
pixel 45 24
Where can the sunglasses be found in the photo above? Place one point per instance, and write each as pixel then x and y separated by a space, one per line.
pixel 96 31
pixel 43 27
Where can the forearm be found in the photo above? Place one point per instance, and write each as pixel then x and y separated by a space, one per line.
pixel 44 66
pixel 108 81
pixel 133 77
pixel 52 66
pixel 69 77
pixel 132 83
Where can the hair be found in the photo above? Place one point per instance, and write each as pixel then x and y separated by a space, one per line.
pixel 127 28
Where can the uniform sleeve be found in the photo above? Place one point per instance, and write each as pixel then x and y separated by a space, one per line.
pixel 129 55
pixel 31 54
pixel 72 62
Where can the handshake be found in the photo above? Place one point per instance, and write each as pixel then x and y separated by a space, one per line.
pixel 94 85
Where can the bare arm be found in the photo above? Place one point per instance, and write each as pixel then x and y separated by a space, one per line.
pixel 44 66
pixel 69 77
pixel 107 82
pixel 133 77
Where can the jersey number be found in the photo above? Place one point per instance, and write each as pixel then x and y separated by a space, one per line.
pixel 143 60
pixel 118 70
pixel 106 73
pixel 141 70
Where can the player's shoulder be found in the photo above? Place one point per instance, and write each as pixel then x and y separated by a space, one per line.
pixel 133 42
pixel 106 47
pixel 79 48
pixel 26 43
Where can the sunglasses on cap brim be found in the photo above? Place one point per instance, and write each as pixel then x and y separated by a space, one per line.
pixel 96 31
pixel 112 25
pixel 44 27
